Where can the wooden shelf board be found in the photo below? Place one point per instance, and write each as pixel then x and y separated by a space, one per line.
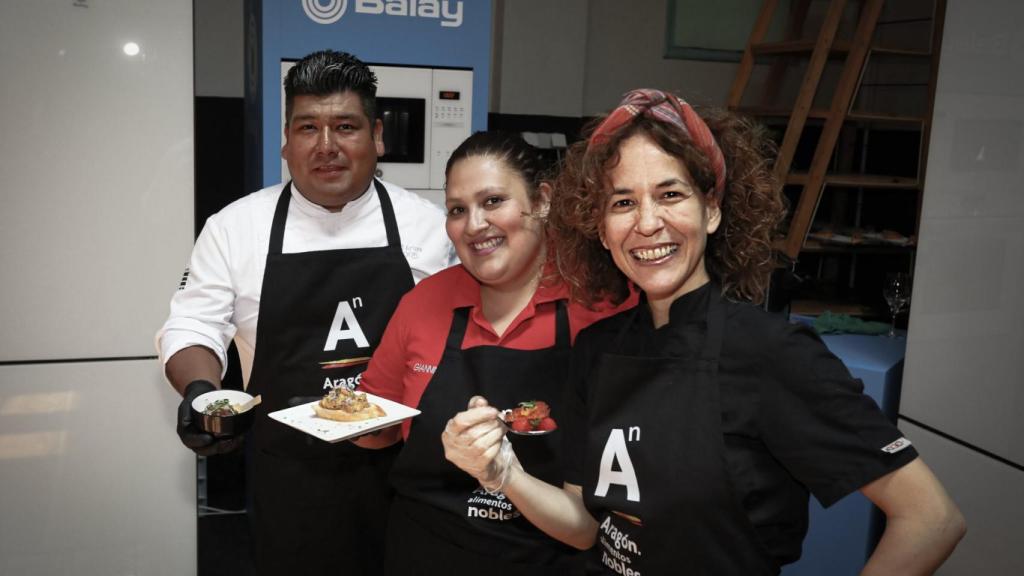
pixel 817 307
pixel 797 47
pixel 816 247
pixel 882 117
pixel 900 52
pixel 839 47
pixel 822 114
pixel 858 180
pixel 816 113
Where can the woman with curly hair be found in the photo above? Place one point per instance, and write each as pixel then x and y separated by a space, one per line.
pixel 697 423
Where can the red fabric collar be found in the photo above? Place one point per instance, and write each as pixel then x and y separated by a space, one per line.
pixel 466 292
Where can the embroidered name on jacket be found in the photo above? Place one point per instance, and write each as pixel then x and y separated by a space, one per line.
pixel 896 446
pixel 424 368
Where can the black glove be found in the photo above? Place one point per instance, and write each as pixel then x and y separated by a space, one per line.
pixel 192 437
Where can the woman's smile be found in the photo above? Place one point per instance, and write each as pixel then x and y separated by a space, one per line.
pixel 487 246
pixel 651 255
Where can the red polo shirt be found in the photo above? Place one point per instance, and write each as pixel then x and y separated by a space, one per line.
pixel 414 340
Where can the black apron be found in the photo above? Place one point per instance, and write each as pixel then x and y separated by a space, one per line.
pixel 442 515
pixel 665 504
pixel 319 508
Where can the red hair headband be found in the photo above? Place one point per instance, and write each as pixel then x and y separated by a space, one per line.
pixel 671 109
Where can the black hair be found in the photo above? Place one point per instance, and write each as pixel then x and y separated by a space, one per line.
pixel 330 72
pixel 511 149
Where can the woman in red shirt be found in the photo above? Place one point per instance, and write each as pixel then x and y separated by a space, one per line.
pixel 499 325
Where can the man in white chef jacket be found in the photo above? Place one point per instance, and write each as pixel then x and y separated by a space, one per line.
pixel 319 264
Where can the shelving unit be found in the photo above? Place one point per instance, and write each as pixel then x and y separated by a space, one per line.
pixel 848 90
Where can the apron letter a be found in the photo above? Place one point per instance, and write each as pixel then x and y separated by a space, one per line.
pixel 345 327
pixel 615 449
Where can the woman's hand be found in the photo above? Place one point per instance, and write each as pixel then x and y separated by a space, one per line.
pixel 923 525
pixel 474 440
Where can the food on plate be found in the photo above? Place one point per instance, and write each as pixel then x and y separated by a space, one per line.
pixel 344 405
pixel 531 416
pixel 220 407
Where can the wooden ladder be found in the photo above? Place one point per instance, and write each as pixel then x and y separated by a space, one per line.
pixel 821 49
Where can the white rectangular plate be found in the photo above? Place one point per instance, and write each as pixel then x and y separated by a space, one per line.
pixel 304 419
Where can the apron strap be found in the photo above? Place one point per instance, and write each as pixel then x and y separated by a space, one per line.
pixel 460 318
pixel 563 337
pixel 388 211
pixel 281 214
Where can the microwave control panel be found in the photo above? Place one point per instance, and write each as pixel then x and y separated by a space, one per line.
pixel 452 107
pixel 449 110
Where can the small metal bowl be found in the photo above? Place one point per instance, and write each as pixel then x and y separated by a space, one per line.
pixel 221 426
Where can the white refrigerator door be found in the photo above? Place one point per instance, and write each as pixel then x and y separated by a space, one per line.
pixel 97 165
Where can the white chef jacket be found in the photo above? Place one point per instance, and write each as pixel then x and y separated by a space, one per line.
pixel 219 297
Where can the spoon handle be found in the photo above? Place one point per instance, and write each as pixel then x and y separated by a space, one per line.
pixel 248 405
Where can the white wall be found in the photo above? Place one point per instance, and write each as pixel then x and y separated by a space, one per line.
pixel 96 157
pixel 539 57
pixel 625 50
pixel 578 57
pixel 989 493
pixel 963 374
pixel 96 226
pixel 962 377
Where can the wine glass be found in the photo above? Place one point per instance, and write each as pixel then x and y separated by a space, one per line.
pixel 897 295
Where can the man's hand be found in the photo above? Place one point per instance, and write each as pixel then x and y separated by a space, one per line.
pixel 192 437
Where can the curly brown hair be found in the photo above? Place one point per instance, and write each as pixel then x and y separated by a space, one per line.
pixel 739 255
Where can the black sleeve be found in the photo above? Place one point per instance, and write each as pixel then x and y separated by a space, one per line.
pixel 815 419
pixel 573 420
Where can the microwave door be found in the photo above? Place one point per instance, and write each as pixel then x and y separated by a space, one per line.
pixel 387 118
pixel 403 128
pixel 403 120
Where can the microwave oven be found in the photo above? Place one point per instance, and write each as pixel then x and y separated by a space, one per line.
pixel 426 113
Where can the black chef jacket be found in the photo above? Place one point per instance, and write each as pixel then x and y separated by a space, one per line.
pixel 793 418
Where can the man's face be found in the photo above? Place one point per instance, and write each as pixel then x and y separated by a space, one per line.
pixel 331 148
